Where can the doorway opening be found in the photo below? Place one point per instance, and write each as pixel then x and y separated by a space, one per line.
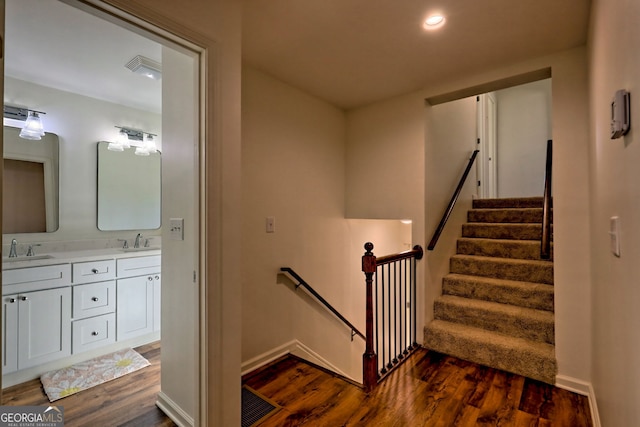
pixel 69 60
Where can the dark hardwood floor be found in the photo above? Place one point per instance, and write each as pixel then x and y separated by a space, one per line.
pixel 126 401
pixel 430 389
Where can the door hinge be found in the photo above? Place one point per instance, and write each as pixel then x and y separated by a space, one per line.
pixel 478 141
pixel 478 183
pixel 477 99
pixel 194 276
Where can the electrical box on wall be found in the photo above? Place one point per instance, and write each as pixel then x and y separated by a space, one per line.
pixel 620 114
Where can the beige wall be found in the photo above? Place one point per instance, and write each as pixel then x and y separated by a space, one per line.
pixel 524 126
pixel 294 170
pixel 615 189
pixel 450 140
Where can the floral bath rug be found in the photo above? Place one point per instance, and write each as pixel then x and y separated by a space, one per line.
pixel 81 376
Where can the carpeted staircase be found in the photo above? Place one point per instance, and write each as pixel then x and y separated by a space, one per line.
pixel 496 307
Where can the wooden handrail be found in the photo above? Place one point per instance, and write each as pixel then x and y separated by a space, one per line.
pixel 452 203
pixel 301 282
pixel 416 253
pixel 545 241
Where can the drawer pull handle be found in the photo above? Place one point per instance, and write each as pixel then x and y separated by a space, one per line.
pixel 12 300
pixel 157 277
pixel 94 333
pixel 150 278
pixel 94 271
pixel 23 298
pixel 95 299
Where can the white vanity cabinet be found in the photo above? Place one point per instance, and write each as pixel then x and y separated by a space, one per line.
pixel 94 304
pixel 37 328
pixel 138 307
pixel 36 324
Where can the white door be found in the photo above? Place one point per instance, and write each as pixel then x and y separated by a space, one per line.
pixel 44 326
pixel 134 307
pixel 487 141
pixel 9 333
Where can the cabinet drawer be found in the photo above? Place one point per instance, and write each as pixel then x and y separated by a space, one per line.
pixel 35 278
pixel 138 266
pixel 94 299
pixel 94 332
pixel 94 271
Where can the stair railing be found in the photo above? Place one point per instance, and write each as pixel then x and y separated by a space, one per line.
pixel 391 310
pixel 545 241
pixel 317 296
pixel 452 203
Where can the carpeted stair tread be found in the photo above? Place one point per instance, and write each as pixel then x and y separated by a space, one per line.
pixel 537 271
pixel 517 231
pixel 521 322
pixel 516 202
pixel 500 248
pixel 511 215
pixel 520 356
pixel 523 294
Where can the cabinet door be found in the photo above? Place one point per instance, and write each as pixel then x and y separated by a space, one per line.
pixel 44 326
pixel 10 333
pixel 134 312
pixel 157 302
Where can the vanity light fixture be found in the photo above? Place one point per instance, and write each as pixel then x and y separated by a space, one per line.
pixel 128 137
pixel 32 128
pixel 145 66
pixel 125 135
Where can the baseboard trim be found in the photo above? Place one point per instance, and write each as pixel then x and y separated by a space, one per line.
pixel 584 388
pixel 296 348
pixel 173 411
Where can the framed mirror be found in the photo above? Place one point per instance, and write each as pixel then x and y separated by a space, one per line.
pixel 129 190
pixel 30 190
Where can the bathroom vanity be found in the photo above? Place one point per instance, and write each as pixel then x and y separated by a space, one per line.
pixel 63 307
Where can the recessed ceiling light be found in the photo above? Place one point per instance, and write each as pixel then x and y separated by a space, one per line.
pixel 433 21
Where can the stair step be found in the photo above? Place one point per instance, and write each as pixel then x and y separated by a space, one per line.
pixel 520 322
pixel 501 248
pixel 510 215
pixel 524 294
pixel 502 231
pixel 516 202
pixel 536 271
pixel 520 356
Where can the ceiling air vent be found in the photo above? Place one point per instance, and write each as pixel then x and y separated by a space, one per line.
pixel 145 67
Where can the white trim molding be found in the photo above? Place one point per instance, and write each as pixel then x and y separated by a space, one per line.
pixel 295 348
pixel 584 388
pixel 173 411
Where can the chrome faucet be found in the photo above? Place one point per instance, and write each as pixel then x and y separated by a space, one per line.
pixel 12 252
pixel 136 244
pixel 31 251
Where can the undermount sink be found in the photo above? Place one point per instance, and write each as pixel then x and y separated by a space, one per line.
pixel 149 248
pixel 27 258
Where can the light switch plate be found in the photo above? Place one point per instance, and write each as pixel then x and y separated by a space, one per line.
pixel 176 228
pixel 614 234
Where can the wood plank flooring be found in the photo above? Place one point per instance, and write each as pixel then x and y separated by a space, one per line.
pixel 430 389
pixel 126 401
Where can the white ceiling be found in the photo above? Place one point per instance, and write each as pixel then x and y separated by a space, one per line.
pixel 52 44
pixel 354 52
pixel 348 52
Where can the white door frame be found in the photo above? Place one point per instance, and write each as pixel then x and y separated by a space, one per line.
pixel 171 34
pixel 487 172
